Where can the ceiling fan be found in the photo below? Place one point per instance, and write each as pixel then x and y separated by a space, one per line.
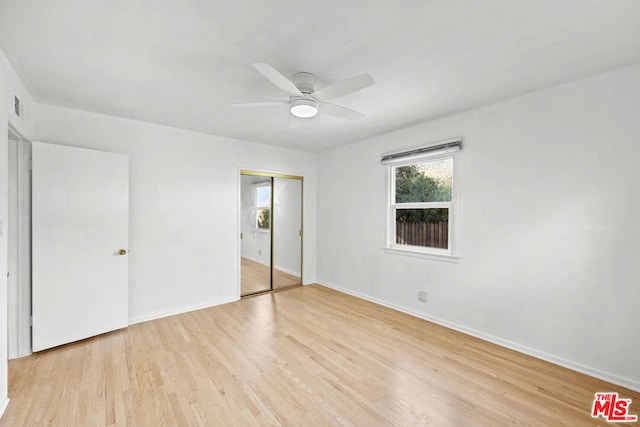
pixel 304 100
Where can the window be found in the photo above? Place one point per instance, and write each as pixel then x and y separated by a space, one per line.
pixel 263 207
pixel 421 200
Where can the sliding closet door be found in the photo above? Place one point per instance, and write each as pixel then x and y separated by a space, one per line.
pixel 271 231
pixel 287 232
pixel 255 237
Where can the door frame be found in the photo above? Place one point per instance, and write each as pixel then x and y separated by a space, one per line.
pixel 19 336
pixel 269 174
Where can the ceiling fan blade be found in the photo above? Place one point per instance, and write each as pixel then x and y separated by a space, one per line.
pixel 260 104
pixel 295 122
pixel 277 79
pixel 340 111
pixel 344 87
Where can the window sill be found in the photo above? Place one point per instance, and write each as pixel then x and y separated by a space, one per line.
pixel 420 254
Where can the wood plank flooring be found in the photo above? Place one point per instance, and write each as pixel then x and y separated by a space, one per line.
pixel 255 277
pixel 305 356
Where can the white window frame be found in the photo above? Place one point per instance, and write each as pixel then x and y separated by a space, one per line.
pixel 262 208
pixel 449 254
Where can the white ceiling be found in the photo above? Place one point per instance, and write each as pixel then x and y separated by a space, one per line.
pixel 180 63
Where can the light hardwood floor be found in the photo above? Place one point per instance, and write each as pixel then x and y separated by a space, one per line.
pixel 255 277
pixel 306 356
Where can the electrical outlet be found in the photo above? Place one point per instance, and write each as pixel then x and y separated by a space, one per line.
pixel 422 296
pixel 259 251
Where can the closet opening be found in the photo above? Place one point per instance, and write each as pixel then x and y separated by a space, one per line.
pixel 270 232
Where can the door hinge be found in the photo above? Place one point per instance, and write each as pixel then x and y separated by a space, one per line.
pixel 240 236
pixel 30 164
pixel 31 320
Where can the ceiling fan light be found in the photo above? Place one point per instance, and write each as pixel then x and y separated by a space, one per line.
pixel 304 108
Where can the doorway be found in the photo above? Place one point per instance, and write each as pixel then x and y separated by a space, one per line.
pixel 19 246
pixel 45 255
pixel 270 231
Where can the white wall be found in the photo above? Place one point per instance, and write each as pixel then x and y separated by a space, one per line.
pixel 10 86
pixel 549 232
pixel 184 229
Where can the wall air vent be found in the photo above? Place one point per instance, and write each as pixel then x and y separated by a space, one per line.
pixel 17 106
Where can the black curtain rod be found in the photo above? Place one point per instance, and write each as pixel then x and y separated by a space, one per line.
pixel 421 150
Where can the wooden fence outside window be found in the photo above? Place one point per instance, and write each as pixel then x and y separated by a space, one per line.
pixel 426 234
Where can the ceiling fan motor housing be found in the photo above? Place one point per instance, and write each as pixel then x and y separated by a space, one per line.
pixel 305 82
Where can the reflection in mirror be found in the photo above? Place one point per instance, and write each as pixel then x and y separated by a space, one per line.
pixel 255 250
pixel 287 230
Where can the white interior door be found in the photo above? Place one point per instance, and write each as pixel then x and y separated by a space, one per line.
pixel 80 217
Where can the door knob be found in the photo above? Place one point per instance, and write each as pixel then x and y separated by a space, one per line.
pixel 122 252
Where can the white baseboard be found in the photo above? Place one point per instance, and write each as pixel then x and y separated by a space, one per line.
pixel 556 360
pixel 276 267
pixel 257 260
pixel 286 270
pixel 3 406
pixel 181 310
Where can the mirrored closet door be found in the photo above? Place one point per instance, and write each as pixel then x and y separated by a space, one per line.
pixel 271 232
